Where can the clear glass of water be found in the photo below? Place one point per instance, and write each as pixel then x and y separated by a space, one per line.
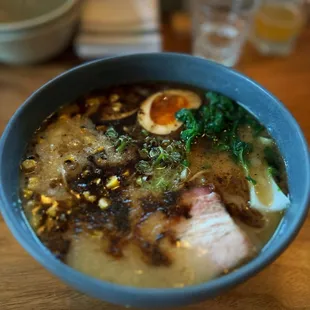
pixel 220 28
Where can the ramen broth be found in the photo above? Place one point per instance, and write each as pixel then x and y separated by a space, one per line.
pixel 153 185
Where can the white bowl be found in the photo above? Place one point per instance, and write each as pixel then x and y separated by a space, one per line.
pixel 32 31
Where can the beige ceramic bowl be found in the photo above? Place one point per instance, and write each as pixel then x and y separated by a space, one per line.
pixel 32 31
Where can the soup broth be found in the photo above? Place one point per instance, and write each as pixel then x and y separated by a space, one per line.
pixel 153 185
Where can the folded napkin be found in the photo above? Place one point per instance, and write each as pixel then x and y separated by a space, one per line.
pixel 111 27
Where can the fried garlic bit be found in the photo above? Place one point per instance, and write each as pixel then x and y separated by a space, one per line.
pixel 29 165
pixel 46 200
pixel 35 221
pixel 75 194
pixel 85 173
pixel 33 183
pixel 40 230
pixel 89 197
pixel 52 211
pixel 36 218
pixel 97 181
pixel 113 182
pixel 96 234
pixel 103 203
pixel 27 193
pixel 126 173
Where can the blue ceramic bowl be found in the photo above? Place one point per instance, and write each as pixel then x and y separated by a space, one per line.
pixel 154 67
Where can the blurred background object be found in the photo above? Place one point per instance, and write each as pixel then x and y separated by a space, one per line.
pixel 114 27
pixel 176 14
pixel 220 28
pixel 277 26
pixel 180 15
pixel 32 31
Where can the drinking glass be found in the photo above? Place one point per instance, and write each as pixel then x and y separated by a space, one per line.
pixel 220 28
pixel 277 24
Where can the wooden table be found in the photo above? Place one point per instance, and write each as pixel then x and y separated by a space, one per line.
pixel 24 284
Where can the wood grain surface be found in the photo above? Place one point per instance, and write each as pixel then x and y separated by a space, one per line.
pixel 285 284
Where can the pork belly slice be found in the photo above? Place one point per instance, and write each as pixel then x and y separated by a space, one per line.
pixel 212 233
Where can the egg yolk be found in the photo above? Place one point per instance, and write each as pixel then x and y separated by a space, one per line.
pixel 164 108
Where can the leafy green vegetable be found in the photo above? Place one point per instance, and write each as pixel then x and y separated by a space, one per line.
pixel 239 150
pixel 220 120
pixel 164 153
pixel 144 167
pixel 272 171
pixel 144 132
pixel 111 133
pixel 250 179
pixel 120 142
pixel 162 164
pixel 185 163
pixel 162 179
pixel 143 153
pixel 192 124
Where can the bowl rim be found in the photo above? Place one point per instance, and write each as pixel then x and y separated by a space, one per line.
pixel 42 19
pixel 210 288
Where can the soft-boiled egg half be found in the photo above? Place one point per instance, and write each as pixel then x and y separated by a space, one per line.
pixel 157 112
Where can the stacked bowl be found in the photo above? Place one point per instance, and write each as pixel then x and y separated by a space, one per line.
pixel 33 31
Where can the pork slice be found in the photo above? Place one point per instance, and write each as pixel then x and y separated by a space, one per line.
pixel 212 233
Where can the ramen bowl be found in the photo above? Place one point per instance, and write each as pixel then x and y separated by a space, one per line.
pixel 172 68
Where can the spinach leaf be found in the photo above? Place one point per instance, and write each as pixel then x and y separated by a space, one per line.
pixel 192 124
pixel 219 120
